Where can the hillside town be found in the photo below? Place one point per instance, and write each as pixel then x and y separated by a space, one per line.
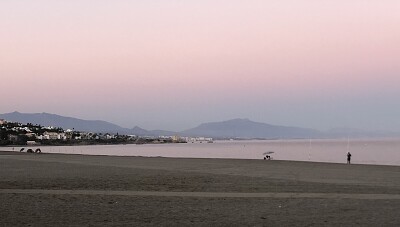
pixel 15 133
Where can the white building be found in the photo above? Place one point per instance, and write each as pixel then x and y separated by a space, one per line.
pixel 199 139
pixel 54 136
pixel 31 143
pixel 108 136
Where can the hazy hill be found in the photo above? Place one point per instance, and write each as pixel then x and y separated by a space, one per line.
pixel 46 119
pixel 143 132
pixel 244 128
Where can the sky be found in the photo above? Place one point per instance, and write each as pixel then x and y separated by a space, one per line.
pixel 178 63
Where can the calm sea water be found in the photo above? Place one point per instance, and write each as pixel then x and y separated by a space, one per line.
pixel 379 151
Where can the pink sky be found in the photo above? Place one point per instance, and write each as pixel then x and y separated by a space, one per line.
pixel 174 64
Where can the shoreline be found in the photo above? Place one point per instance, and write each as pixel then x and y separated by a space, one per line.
pixel 2 152
pixel 364 152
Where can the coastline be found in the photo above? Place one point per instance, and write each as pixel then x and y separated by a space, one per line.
pixel 371 152
pixel 195 158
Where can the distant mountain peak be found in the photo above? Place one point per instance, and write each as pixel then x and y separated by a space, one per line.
pixel 139 129
pixel 240 119
pixel 245 128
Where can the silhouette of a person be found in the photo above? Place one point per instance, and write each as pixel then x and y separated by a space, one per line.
pixel 348 157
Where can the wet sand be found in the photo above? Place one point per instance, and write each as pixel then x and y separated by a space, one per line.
pixel 57 190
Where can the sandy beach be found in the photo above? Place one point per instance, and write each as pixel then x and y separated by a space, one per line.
pixel 76 190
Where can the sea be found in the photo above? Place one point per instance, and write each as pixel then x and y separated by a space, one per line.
pixel 364 151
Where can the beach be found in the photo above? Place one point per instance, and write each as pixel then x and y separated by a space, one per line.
pixel 76 190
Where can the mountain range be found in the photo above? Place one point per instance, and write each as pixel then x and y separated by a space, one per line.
pixel 235 128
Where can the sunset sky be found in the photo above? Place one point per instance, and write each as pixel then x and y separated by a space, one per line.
pixel 175 64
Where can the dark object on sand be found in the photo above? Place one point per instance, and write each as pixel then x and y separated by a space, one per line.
pixel 29 151
pixel 22 149
pixel 267 155
pixel 38 151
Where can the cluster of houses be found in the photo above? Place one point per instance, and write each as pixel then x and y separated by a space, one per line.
pixel 198 139
pixel 179 139
pixel 35 133
pixel 15 130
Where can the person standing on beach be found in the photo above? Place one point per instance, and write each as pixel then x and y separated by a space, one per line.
pixel 348 157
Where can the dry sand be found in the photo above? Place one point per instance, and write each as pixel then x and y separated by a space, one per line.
pixel 57 190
